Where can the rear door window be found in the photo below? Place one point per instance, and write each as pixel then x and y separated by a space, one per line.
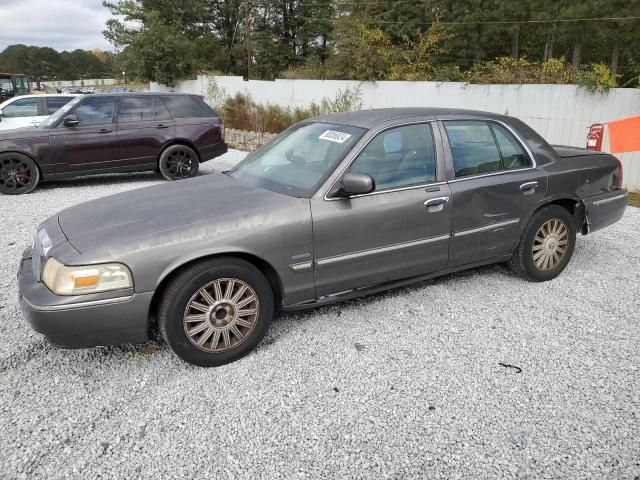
pixel 55 103
pixel 135 109
pixel 161 112
pixel 473 148
pixel 513 155
pixel 483 147
pixel 24 107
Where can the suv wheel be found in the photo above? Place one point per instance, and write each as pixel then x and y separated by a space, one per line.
pixel 216 311
pixel 18 174
pixel 546 245
pixel 178 162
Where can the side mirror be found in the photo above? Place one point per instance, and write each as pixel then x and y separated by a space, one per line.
pixel 357 184
pixel 0 112
pixel 70 121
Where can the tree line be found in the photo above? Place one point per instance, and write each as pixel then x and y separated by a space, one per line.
pixel 524 41
pixel 44 63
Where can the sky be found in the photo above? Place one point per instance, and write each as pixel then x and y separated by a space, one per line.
pixel 59 24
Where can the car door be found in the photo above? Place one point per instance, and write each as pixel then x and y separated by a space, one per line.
pixel 144 127
pixel 401 229
pixel 22 112
pixel 91 145
pixel 495 188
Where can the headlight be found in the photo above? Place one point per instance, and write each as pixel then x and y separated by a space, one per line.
pixel 83 279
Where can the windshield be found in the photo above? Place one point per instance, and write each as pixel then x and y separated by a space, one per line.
pixel 52 119
pixel 299 159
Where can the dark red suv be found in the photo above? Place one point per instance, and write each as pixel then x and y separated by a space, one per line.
pixel 108 133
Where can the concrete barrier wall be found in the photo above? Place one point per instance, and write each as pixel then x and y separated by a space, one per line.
pixel 562 114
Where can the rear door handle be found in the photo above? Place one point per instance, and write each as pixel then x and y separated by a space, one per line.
pixel 160 125
pixel 436 204
pixel 528 187
pixel 105 130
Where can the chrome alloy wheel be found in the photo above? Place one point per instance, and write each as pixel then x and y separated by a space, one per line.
pixel 221 315
pixel 550 244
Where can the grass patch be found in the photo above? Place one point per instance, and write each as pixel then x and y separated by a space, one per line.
pixel 634 199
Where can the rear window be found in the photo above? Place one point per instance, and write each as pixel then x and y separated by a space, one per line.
pixel 186 106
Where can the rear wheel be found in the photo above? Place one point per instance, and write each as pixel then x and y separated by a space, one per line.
pixel 546 245
pixel 18 174
pixel 178 162
pixel 216 311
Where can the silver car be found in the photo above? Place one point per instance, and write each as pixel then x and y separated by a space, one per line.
pixel 335 207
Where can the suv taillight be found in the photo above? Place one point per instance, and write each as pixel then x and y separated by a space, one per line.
pixel 222 131
pixel 620 174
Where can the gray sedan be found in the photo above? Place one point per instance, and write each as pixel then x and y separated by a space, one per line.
pixel 335 207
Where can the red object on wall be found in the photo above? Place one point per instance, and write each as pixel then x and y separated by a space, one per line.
pixel 594 138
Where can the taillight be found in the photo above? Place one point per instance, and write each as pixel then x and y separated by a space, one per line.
pixel 222 132
pixel 620 174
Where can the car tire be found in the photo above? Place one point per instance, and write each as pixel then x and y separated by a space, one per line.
pixel 546 244
pixel 178 162
pixel 207 325
pixel 19 174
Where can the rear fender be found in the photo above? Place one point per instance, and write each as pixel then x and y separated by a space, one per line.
pixel 604 209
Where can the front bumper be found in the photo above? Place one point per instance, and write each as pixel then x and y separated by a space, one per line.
pixel 83 321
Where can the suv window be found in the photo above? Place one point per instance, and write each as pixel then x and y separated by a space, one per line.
pixel 160 111
pixel 95 111
pixel 186 106
pixel 135 109
pixel 24 107
pixel 54 103
pixel 399 157
pixel 483 147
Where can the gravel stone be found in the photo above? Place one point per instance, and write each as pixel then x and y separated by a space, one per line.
pixel 402 384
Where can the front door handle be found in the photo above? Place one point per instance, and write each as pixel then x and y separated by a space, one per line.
pixel 528 188
pixel 105 130
pixel 160 125
pixel 436 204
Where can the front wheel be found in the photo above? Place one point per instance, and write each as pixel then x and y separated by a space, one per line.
pixel 18 174
pixel 546 245
pixel 216 311
pixel 177 162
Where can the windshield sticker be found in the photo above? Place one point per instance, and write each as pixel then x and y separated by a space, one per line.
pixel 334 136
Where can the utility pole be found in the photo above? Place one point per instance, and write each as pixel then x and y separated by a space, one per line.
pixel 247 35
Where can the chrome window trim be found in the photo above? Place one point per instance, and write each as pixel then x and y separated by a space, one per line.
pixel 522 143
pixel 375 251
pixel 391 190
pixel 72 306
pixel 485 228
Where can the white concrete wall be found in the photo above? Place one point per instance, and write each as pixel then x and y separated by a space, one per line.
pixel 88 82
pixel 562 114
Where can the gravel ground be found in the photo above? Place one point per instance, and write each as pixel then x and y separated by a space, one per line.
pixel 402 384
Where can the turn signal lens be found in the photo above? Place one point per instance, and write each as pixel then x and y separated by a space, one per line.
pixel 80 280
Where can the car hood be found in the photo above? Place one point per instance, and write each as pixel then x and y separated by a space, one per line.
pixel 23 132
pixel 175 212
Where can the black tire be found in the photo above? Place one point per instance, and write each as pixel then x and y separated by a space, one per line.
pixel 18 174
pixel 178 162
pixel 185 288
pixel 523 262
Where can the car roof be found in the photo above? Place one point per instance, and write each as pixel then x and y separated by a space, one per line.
pixel 371 118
